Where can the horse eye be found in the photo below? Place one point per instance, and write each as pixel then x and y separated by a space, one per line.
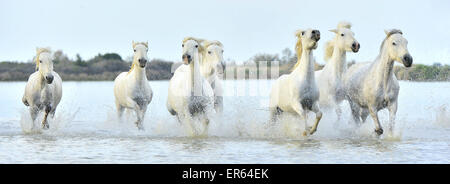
pixel 303 33
pixel 196 46
pixel 182 45
pixel 393 43
pixel 342 34
pixel 209 52
pixel 134 50
pixel 40 61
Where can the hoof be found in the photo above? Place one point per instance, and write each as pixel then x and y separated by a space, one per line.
pixel 311 132
pixel 45 126
pixel 379 131
pixel 139 126
pixel 305 133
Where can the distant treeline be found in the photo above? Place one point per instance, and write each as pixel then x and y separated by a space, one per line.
pixel 420 72
pixel 108 66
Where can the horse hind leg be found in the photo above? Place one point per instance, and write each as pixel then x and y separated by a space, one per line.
pixel 274 114
pixel 355 112
pixel 364 114
pixel 316 110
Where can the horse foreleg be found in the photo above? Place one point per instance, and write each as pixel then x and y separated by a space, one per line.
pixel 205 125
pixel 218 104
pixel 24 100
pixel 302 113
pixel 189 124
pixel 120 110
pixel 373 112
pixel 45 125
pixel 392 112
pixel 140 113
pixel 316 109
pixel 33 113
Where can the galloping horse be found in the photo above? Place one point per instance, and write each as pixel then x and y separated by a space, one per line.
pixel 297 92
pixel 131 89
pixel 43 90
pixel 189 94
pixel 212 57
pixel 329 79
pixel 371 87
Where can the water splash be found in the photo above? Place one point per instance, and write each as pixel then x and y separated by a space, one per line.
pixel 56 123
pixel 442 116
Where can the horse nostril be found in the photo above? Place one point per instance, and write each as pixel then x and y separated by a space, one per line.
pixel 49 79
pixel 407 60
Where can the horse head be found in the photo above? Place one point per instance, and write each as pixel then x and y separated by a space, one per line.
pixel 140 54
pixel 212 56
pixel 191 48
pixel 395 45
pixel 44 64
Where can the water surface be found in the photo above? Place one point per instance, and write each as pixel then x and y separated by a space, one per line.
pixel 86 130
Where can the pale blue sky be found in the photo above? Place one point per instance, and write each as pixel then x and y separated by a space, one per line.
pixel 245 27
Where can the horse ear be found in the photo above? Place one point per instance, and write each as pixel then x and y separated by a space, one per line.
pixel 37 50
pixel 134 44
pixel 387 31
pixel 334 31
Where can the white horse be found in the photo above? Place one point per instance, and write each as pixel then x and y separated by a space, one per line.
pixel 131 89
pixel 190 94
pixel 43 90
pixel 297 92
pixel 371 87
pixel 329 79
pixel 212 57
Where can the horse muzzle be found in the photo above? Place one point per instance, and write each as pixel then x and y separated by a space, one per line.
pixel 407 60
pixel 355 47
pixel 315 35
pixel 142 62
pixel 49 79
pixel 187 59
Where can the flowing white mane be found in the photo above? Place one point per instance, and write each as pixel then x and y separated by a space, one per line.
pixel 298 47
